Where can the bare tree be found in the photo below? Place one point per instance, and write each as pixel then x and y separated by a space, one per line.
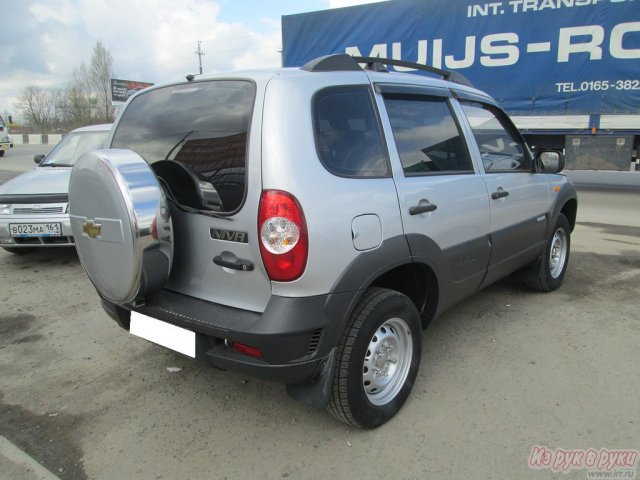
pixel 100 70
pixel 85 100
pixel 78 99
pixel 38 107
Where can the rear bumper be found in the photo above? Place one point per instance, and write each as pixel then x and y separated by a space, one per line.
pixel 295 335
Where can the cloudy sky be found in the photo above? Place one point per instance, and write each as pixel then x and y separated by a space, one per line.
pixel 44 40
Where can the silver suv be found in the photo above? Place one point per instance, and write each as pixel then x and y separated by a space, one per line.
pixel 304 225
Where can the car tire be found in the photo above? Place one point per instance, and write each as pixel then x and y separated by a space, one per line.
pixel 1 153
pixel 550 267
pixel 378 359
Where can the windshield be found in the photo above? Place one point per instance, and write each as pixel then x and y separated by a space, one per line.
pixel 67 152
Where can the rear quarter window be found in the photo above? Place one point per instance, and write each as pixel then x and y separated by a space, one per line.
pixel 348 135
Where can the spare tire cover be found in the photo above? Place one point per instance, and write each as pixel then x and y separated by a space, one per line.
pixel 121 224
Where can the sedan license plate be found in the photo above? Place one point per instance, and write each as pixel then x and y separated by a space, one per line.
pixel 162 333
pixel 35 229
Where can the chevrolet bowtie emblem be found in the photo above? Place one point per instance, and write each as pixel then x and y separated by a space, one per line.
pixel 92 229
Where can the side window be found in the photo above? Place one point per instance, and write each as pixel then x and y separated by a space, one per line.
pixel 427 136
pixel 501 151
pixel 348 135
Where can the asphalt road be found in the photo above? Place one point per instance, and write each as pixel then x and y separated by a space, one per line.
pixel 504 371
pixel 20 157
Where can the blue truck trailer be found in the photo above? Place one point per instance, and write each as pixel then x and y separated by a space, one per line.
pixel 567 71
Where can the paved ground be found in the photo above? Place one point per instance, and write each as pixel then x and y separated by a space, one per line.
pixel 504 371
pixel 605 179
pixel 20 157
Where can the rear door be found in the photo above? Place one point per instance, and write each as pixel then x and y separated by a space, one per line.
pixel 443 199
pixel 202 139
pixel 518 195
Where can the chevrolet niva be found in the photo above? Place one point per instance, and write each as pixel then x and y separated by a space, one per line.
pixel 305 224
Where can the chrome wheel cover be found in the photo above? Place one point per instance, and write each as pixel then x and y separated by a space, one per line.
pixel 558 253
pixel 387 361
pixel 121 224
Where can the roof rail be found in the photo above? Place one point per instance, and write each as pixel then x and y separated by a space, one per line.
pixel 374 63
pixel 342 62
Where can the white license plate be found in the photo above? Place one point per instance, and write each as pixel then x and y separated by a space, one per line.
pixel 163 333
pixel 35 229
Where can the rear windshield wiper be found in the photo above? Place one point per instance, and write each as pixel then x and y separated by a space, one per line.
pixel 179 143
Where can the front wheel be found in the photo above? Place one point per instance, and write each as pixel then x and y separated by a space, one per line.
pixel 378 359
pixel 551 266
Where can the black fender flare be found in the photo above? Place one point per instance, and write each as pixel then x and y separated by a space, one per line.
pixel 567 193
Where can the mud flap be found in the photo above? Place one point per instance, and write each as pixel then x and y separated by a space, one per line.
pixel 317 392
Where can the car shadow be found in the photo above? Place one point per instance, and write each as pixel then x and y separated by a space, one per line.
pixel 40 256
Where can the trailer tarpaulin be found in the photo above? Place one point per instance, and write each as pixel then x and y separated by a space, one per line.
pixel 533 56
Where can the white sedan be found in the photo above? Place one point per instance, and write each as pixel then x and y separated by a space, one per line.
pixel 34 205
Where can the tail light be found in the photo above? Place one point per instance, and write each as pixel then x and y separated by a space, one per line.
pixel 284 242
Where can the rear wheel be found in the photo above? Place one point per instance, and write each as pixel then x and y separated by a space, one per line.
pixel 378 359
pixel 550 268
pixel 1 153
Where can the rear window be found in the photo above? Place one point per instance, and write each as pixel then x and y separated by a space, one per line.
pixel 348 136
pixel 195 137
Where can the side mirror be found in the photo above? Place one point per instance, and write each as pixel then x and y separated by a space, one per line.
pixel 551 161
pixel 38 158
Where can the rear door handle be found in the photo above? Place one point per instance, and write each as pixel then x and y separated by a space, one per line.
pixel 418 209
pixel 499 194
pixel 237 264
